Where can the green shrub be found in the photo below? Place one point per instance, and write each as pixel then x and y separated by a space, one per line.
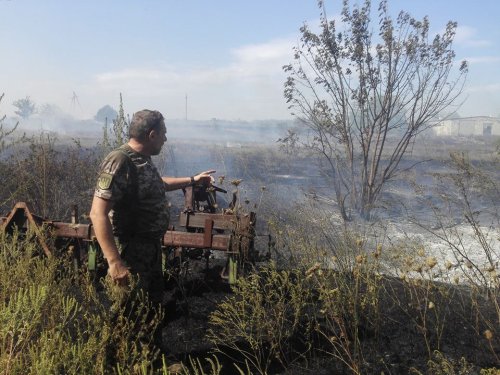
pixel 265 319
pixel 52 319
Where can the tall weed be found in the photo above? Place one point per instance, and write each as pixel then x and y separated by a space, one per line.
pixel 53 320
pixel 266 321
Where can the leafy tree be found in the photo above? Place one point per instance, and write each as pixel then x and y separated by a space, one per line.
pixel 25 107
pixel 363 97
pixel 106 113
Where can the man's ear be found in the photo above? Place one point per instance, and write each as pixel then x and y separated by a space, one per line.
pixel 152 134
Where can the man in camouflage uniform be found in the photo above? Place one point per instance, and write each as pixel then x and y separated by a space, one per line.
pixel 130 207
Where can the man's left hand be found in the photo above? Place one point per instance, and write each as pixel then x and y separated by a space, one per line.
pixel 204 177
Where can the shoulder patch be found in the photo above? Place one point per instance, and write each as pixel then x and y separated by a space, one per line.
pixel 104 181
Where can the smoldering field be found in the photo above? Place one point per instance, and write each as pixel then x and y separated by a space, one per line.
pixel 442 209
pixel 424 205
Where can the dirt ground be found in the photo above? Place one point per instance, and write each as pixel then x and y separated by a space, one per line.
pixel 397 347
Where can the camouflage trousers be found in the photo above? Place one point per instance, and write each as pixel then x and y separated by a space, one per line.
pixel 143 256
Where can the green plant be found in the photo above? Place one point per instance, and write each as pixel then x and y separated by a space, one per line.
pixel 264 318
pixel 440 365
pixel 117 134
pixel 120 127
pixel 490 371
pixel 348 305
pixel 196 367
pixel 425 302
pixel 52 319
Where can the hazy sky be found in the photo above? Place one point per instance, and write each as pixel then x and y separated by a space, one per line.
pixel 226 55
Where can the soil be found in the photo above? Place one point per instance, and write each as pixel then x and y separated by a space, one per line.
pixel 399 344
pixel 397 347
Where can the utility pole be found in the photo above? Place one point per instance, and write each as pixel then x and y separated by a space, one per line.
pixel 75 101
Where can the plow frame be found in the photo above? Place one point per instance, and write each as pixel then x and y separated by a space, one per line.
pixel 232 234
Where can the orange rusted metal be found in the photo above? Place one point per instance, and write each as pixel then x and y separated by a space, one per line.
pixel 223 232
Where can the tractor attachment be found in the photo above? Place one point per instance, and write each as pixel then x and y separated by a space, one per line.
pixel 203 229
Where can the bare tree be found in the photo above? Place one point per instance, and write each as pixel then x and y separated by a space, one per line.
pixel 364 97
pixel 6 133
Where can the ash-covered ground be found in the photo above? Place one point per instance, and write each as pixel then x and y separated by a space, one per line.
pixel 272 185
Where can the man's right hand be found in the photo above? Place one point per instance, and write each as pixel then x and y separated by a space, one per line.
pixel 99 214
pixel 118 272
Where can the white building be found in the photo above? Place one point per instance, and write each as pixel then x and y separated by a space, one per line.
pixel 469 126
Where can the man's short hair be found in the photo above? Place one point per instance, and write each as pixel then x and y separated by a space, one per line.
pixel 143 122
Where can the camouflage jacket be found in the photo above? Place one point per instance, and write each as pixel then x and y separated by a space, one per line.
pixel 134 186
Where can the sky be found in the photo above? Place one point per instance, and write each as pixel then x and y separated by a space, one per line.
pixel 208 59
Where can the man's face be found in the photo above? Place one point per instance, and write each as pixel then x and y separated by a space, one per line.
pixel 160 137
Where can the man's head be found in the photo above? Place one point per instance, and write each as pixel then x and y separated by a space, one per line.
pixel 148 128
pixel 143 122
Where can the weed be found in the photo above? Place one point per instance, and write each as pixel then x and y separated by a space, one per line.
pixel 264 319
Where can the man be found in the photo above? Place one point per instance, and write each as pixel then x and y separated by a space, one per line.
pixel 129 209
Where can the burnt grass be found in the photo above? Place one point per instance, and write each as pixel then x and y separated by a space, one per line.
pixel 392 342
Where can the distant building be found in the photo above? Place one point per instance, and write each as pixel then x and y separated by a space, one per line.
pixel 482 126
pixel 233 145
